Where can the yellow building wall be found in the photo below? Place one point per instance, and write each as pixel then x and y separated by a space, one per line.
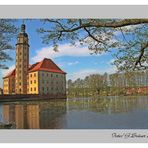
pixel 12 85
pixel 33 83
pixel 40 82
pixel 6 88
pixel 9 85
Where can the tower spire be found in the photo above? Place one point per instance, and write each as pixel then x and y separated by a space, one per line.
pixel 23 21
pixel 23 27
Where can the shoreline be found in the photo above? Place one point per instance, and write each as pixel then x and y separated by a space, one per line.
pixel 15 98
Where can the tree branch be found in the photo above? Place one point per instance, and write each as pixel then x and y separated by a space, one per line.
pixel 107 24
pixel 94 38
pixel 57 22
pixel 138 61
pixel 121 23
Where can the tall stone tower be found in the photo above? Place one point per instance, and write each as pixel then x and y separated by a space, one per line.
pixel 22 62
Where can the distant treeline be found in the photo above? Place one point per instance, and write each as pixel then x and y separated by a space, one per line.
pixel 107 84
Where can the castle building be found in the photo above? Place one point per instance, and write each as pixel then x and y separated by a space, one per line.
pixel 43 77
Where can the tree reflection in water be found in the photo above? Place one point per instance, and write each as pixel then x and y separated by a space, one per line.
pixel 111 104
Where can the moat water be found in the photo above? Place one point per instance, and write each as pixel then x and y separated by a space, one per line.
pixel 78 113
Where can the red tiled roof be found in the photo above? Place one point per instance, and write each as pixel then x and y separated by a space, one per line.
pixel 32 66
pixel 11 73
pixel 46 65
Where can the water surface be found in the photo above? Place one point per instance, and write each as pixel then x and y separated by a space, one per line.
pixel 78 113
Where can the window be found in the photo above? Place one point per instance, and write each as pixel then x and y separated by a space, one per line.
pixel 34 81
pixel 43 88
pixel 31 89
pixel 20 83
pixel 30 75
pixel 51 75
pixel 30 82
pixel 34 74
pixel 57 76
pixel 34 88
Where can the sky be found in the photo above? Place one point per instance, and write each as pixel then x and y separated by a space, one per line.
pixel 77 61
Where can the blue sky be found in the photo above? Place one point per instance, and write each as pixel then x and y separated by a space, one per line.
pixel 75 61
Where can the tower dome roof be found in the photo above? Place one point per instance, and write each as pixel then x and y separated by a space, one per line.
pixel 23 31
pixel 23 27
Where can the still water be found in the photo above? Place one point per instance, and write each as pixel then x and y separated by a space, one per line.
pixel 78 113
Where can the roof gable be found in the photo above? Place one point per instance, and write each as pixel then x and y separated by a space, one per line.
pixel 11 73
pixel 46 65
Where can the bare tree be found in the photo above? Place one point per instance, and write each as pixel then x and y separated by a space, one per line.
pixel 7 32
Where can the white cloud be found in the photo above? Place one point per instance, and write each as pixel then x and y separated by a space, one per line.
pixel 86 72
pixel 64 64
pixel 72 63
pixel 64 50
pixel 82 74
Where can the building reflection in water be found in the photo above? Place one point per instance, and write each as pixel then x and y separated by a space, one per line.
pixel 20 116
pixel 35 116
